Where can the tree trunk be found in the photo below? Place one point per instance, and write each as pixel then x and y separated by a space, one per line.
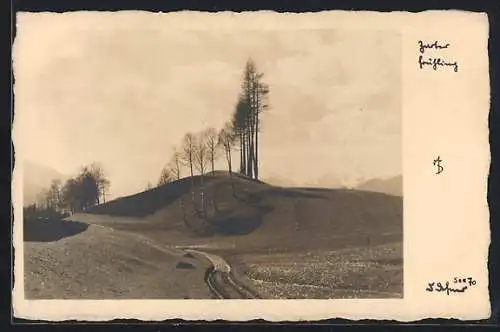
pixel 244 168
pixel 250 154
pixel 241 153
pixel 229 165
pixel 192 179
pixel 213 162
pixel 256 121
pixel 256 157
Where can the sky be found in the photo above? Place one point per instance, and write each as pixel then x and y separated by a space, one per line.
pixel 124 95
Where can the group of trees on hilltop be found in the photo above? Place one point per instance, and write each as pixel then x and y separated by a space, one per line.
pixel 77 194
pixel 246 119
pixel 199 151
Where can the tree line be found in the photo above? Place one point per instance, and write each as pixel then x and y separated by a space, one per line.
pixel 246 119
pixel 88 188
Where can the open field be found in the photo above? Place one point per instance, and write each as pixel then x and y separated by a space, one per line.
pixel 366 272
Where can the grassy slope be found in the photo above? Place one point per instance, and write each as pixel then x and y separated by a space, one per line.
pixel 102 263
pixel 264 216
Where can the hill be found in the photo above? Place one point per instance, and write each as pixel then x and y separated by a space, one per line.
pixel 391 186
pixel 254 214
pixel 288 242
pixel 36 178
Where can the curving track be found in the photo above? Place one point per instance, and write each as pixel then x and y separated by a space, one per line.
pixel 221 282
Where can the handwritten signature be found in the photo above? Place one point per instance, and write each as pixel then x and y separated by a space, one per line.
pixel 446 288
pixel 434 62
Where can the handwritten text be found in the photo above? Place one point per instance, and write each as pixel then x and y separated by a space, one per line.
pixel 434 63
pixel 435 45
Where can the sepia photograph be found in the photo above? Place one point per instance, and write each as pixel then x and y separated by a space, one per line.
pixel 255 165
pixel 209 164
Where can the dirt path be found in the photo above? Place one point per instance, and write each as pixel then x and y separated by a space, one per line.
pixel 221 282
pixel 219 279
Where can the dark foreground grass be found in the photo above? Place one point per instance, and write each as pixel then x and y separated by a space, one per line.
pixel 360 272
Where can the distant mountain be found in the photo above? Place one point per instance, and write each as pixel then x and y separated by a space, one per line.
pixel 328 180
pixel 323 181
pixel 391 186
pixel 36 178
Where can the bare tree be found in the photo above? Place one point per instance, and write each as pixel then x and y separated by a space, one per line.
pixel 188 150
pixel 241 131
pixel 211 141
pixel 166 176
pixel 201 153
pixel 246 118
pixel 260 106
pixel 248 96
pixel 54 197
pixel 104 185
pixel 226 139
pixel 175 164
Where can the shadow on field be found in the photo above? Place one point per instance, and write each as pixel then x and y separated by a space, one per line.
pixel 239 214
pixel 238 225
pixel 41 230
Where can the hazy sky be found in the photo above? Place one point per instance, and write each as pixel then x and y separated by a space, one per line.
pixel 124 95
